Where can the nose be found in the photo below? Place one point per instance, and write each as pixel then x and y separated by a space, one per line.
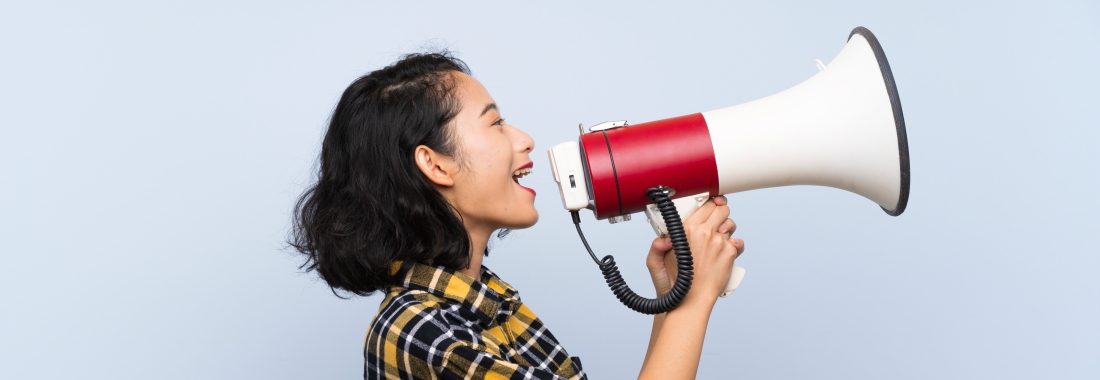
pixel 524 142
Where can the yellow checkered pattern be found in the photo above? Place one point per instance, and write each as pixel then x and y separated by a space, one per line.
pixel 441 324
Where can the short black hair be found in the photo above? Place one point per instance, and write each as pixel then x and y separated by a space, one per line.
pixel 371 205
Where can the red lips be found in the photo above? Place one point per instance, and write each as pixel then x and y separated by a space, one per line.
pixel 516 180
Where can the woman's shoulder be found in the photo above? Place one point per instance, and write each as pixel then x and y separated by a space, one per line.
pixel 447 298
pixel 413 312
pixel 404 303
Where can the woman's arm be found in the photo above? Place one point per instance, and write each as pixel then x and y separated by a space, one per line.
pixel 676 339
pixel 657 262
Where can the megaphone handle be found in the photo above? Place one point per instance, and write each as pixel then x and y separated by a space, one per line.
pixel 736 275
pixel 685 207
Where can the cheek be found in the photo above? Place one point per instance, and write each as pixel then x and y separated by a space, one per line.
pixel 486 165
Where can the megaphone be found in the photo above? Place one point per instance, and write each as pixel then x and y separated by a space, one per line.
pixel 842 128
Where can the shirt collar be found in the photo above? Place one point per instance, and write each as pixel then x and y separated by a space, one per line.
pixel 489 298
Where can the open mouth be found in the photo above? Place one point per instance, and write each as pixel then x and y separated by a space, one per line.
pixel 520 173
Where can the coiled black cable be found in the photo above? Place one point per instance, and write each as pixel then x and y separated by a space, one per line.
pixel 684 264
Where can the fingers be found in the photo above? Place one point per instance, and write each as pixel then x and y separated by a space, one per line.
pixel 657 251
pixel 705 215
pixel 728 226
pixel 739 245
pixel 718 215
pixel 670 266
pixel 701 215
pixel 656 261
pixel 660 245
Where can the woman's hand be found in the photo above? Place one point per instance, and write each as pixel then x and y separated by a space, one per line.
pixel 713 251
pixel 676 341
pixel 655 261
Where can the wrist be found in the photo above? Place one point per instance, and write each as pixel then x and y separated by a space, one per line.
pixel 698 302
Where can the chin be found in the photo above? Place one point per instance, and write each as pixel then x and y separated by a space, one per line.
pixel 526 221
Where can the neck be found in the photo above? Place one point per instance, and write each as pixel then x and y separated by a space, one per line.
pixel 478 241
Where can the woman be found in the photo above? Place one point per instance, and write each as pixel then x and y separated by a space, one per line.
pixel 417 170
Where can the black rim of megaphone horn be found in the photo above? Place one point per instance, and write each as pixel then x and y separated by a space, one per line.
pixel 899 119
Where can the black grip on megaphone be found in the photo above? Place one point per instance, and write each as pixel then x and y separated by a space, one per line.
pixel 684 263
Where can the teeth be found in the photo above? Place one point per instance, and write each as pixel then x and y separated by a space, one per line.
pixel 521 173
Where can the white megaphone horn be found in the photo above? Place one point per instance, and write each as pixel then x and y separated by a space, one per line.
pixel 841 128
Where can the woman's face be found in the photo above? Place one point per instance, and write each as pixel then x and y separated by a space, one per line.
pixel 492 155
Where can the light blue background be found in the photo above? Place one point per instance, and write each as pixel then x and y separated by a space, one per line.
pixel 150 155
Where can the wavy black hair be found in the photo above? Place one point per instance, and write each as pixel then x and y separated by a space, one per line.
pixel 371 205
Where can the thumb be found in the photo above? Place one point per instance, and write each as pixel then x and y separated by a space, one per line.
pixel 657 251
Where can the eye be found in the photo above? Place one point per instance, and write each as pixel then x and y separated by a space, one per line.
pixel 499 122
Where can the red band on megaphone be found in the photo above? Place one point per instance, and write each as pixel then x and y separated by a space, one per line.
pixel 624 162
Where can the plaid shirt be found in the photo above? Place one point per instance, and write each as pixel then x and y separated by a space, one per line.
pixel 441 324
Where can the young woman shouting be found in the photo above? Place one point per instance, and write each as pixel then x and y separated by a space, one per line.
pixel 417 170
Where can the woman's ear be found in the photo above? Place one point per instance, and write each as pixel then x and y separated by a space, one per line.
pixel 438 168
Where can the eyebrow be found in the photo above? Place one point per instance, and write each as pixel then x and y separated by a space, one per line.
pixel 491 106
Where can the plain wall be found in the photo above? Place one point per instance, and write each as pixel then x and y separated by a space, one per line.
pixel 150 154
